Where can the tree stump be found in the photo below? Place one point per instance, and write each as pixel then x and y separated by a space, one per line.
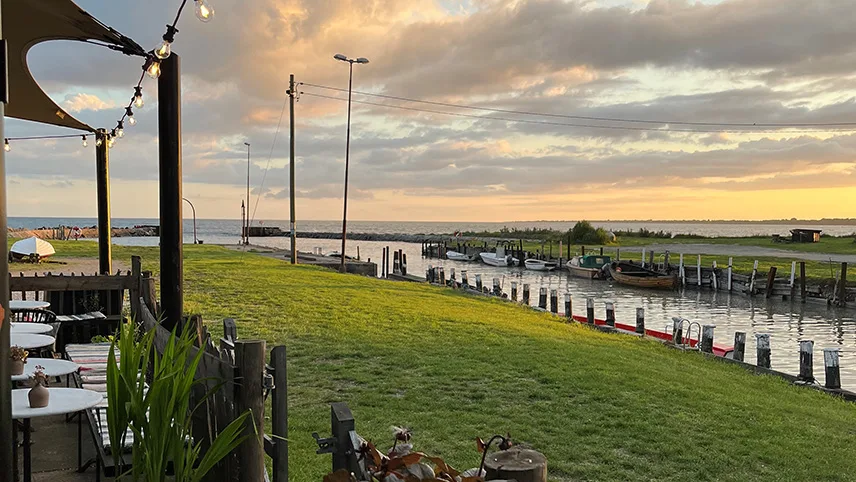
pixel 522 465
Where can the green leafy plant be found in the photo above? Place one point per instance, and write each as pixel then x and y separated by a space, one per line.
pixel 159 413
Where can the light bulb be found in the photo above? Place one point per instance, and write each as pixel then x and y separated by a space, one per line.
pixel 84 142
pixel 204 11
pixel 153 69
pixel 110 142
pixel 138 97
pixel 7 147
pixel 163 50
pixel 132 120
pixel 98 141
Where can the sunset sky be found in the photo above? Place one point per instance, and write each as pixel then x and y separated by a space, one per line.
pixel 734 61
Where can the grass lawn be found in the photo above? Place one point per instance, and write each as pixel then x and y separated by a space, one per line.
pixel 454 367
pixel 827 244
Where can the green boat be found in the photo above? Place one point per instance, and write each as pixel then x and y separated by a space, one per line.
pixel 588 266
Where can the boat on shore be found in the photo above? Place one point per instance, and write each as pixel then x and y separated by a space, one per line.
pixel 456 256
pixel 539 265
pixel 588 266
pixel 633 275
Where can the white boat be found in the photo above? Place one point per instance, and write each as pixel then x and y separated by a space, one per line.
pixel 539 265
pixel 499 258
pixel 33 246
pixel 456 256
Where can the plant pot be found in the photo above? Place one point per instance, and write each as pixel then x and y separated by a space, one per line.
pixel 17 367
pixel 39 396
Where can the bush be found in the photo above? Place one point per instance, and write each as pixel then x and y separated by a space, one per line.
pixel 584 233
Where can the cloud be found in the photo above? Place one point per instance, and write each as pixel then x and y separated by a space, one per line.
pixel 80 102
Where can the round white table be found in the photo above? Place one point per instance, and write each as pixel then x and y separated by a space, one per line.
pixel 30 341
pixel 62 401
pixel 53 367
pixel 33 328
pixel 28 305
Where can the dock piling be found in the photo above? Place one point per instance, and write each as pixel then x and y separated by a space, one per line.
pixel 681 272
pixel 465 283
pixel 830 363
pixel 497 289
pixel 643 257
pixel 478 283
pixel 452 277
pixel 640 321
pixel 442 276
pixel 714 282
pixel 762 341
pixel 403 264
pixel 807 360
pixel 771 278
pixel 554 302
pixel 514 291
pixel 677 331
pixel 590 311
pixel 752 278
pixel 610 313
pixel 526 294
pixel 698 271
pixel 730 269
pixel 842 286
pixel 739 346
pixel 707 338
pixel 568 307
pixel 802 281
pixel 542 298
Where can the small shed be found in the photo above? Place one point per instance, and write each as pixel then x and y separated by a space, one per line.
pixel 805 235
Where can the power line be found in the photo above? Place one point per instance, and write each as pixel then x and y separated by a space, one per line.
pixel 592 118
pixel 568 124
pixel 270 156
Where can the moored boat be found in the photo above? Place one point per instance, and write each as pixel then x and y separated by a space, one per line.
pixel 588 266
pixel 456 256
pixel 499 258
pixel 632 275
pixel 539 265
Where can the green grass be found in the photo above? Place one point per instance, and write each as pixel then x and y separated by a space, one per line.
pixel 827 244
pixel 454 367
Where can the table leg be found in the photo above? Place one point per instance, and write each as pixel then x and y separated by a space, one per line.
pixel 15 451
pixel 27 461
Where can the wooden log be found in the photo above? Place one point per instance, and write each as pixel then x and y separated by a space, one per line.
pixel 640 321
pixel 569 312
pixel 833 373
pixel 514 291
pixel 802 281
pixel 610 313
pixel 521 465
pixel 590 310
pixel 542 298
pixel 806 360
pixel 554 301
pixel 771 278
pixel 739 346
pixel 250 363
pixel 526 294
pixel 706 344
pixel 762 341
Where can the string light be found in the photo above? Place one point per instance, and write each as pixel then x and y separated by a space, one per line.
pixel 7 147
pixel 111 138
pixel 129 114
pixel 152 67
pixel 165 48
pixel 120 129
pixel 99 141
pixel 84 141
pixel 138 97
pixel 204 12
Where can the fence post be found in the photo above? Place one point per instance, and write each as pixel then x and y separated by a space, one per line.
pixel 763 349
pixel 640 321
pixel 250 363
pixel 514 291
pixel 590 311
pixel 526 294
pixel 707 338
pixel 542 298
pixel 830 363
pixel 279 413
pixel 569 311
pixel 677 331
pixel 807 360
pixel 610 313
pixel 136 287
pixel 149 294
pixel 341 426
pixel 730 269
pixel 554 301
pixel 739 346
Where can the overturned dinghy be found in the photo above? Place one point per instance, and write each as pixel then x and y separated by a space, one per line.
pixel 32 248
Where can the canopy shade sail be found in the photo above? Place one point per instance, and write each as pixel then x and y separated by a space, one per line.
pixel 29 22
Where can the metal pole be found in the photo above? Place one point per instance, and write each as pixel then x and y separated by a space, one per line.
pixel 193 209
pixel 6 427
pixel 169 135
pixel 102 176
pixel 247 238
pixel 243 222
pixel 347 155
pixel 291 172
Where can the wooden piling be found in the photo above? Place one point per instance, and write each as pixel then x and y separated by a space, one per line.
pixel 739 346
pixel 582 250
pixel 706 343
pixel 452 277
pixel 666 257
pixel 442 276
pixel 497 289
pixel 643 257
pixel 793 276
pixel 842 286
pixel 698 271
pixel 542 298
pixel 395 266
pixel 478 282
pixel 651 260
pixel 681 272
pixel 610 313
pixel 601 250
pixel 762 341
pixel 714 283
pixel 730 271
pixel 526 294
pixel 554 302
pixel 640 321
pixel 833 373
pixel 618 254
pixel 383 267
pixel 752 278
pixel 465 283
pixel 677 331
pixel 806 360
pixel 279 409
pixel 802 281
pixel 403 264
pixel 569 312
pixel 590 310
pixel 514 291
pixel 771 278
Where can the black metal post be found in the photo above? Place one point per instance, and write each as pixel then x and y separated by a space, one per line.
pixel 347 159
pixel 6 424
pixel 102 181
pixel 291 193
pixel 169 133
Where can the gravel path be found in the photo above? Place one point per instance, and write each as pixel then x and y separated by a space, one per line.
pixel 735 250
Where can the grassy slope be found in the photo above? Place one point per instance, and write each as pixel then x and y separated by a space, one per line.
pixel 827 244
pixel 454 367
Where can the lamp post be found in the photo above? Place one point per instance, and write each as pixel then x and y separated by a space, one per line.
pixel 195 241
pixel 247 231
pixel 351 62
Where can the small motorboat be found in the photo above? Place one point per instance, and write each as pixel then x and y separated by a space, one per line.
pixel 456 256
pixel 31 248
pixel 588 266
pixel 499 258
pixel 539 265
pixel 633 275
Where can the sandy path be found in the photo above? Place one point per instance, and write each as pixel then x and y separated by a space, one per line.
pixel 733 250
pixel 67 266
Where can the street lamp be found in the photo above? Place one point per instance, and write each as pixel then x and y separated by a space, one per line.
pixel 195 239
pixel 247 232
pixel 351 62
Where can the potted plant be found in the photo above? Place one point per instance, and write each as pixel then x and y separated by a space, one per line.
pixel 18 357
pixel 39 395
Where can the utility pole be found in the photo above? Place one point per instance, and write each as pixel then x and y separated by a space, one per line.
pixel 291 171
pixel 247 235
pixel 243 222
